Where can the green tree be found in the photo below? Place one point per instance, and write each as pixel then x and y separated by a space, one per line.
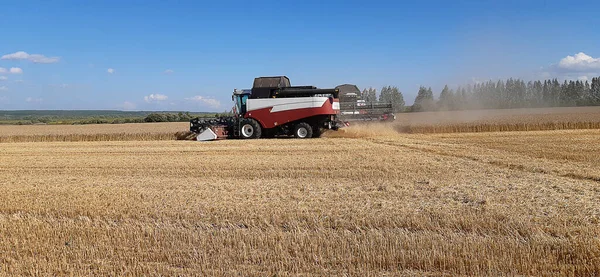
pixel 155 117
pixel 594 93
pixel 424 100
pixel 392 95
pixel 385 95
pixel 446 99
pixel 371 95
pixel 397 99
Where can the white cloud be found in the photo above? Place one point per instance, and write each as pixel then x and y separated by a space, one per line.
pixel 35 58
pixel 3 78
pixel 16 70
pixel 128 106
pixel 580 62
pixel 110 71
pixel 13 70
pixel 577 67
pixel 211 102
pixel 155 98
pixel 3 88
pixel 169 71
pixel 583 78
pixel 20 55
pixel 33 100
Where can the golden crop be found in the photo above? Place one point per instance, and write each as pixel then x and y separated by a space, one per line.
pixel 92 132
pixel 365 201
pixel 499 120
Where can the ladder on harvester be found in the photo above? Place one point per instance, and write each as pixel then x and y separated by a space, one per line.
pixel 236 127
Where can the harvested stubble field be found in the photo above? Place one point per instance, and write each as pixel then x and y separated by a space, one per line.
pixel 366 201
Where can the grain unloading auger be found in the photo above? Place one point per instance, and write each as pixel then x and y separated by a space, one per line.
pixel 275 108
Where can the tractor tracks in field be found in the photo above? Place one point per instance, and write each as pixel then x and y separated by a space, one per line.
pixel 497 158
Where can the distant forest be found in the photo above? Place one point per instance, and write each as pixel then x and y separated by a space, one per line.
pixel 27 117
pixel 502 94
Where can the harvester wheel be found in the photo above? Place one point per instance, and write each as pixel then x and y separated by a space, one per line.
pixel 303 130
pixel 317 132
pixel 250 129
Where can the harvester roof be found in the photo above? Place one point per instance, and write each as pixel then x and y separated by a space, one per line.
pixel 263 86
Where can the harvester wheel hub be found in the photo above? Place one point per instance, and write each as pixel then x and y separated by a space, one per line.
pixel 302 132
pixel 247 130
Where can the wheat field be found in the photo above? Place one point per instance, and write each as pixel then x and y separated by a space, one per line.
pixel 91 132
pixel 361 202
pixel 500 120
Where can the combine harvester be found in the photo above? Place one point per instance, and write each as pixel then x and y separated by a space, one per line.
pixel 274 108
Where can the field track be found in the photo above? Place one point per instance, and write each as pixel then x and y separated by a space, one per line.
pixel 366 201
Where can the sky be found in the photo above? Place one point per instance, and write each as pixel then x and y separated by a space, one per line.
pixel 190 55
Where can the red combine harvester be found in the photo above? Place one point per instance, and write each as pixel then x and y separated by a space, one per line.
pixel 274 108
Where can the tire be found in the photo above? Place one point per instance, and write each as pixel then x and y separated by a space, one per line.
pixel 250 129
pixel 268 133
pixel 317 132
pixel 303 130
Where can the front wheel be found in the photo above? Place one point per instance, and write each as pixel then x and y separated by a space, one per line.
pixel 250 129
pixel 303 130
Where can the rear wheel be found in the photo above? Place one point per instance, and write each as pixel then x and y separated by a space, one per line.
pixel 303 130
pixel 250 129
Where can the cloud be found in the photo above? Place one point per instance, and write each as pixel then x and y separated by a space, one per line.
pixel 155 98
pixel 169 71
pixel 13 70
pixel 128 106
pixel 579 62
pixel 110 71
pixel 3 88
pixel 210 102
pixel 33 100
pixel 16 70
pixel 576 67
pixel 583 78
pixel 3 78
pixel 35 58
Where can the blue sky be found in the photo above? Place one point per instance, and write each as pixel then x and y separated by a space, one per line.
pixel 190 55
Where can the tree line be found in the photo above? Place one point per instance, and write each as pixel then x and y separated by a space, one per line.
pixel 501 94
pixel 179 117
